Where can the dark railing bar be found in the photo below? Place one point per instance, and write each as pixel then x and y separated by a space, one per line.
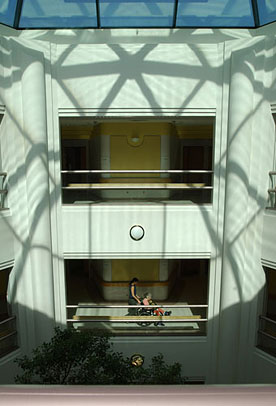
pixel 7 320
pixel 268 319
pixel 267 335
pixel 8 335
pixel 272 173
pixel 272 190
pixel 3 174
pixel 133 306
pixel 137 171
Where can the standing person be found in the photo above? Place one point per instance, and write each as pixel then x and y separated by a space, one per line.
pixel 133 298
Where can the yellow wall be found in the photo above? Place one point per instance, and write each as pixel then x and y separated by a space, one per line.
pixel 195 131
pixel 143 269
pixel 76 132
pixel 125 156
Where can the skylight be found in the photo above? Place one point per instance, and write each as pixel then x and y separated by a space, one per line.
pixel 22 14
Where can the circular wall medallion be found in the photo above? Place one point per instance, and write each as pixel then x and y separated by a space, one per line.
pixel 137 232
pixel 137 360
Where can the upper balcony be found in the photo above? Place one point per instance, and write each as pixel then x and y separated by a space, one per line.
pixel 3 190
pixel 272 190
pixel 145 161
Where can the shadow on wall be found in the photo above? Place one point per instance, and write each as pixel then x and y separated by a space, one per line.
pixel 193 356
pixel 32 210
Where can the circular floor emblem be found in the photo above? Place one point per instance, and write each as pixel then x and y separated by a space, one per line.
pixel 137 360
pixel 137 232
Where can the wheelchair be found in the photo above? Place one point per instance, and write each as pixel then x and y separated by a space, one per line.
pixel 144 312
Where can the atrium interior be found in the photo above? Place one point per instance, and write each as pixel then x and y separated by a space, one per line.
pixel 137 140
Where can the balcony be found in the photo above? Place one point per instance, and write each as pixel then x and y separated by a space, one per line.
pixel 272 191
pixel 94 186
pixel 133 160
pixel 3 190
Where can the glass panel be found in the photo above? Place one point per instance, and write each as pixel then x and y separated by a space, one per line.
pixel 267 11
pixel 136 13
pixel 7 11
pixel 58 13
pixel 215 13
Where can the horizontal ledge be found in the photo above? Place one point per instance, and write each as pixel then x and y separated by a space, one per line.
pixel 136 186
pixel 137 171
pixel 134 306
pixel 135 319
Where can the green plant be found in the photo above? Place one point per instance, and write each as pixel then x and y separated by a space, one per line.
pixel 87 358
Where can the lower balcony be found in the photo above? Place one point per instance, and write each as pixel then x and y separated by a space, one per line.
pixel 178 287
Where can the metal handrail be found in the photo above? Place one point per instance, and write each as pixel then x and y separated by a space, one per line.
pixel 2 190
pixel 272 191
pixel 128 306
pixel 137 171
pixel 7 320
pixel 267 335
pixel 140 319
pixel 268 319
pixel 12 333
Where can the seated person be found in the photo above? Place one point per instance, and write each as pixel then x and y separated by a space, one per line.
pixel 147 301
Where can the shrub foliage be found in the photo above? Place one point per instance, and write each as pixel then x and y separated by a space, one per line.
pixel 87 358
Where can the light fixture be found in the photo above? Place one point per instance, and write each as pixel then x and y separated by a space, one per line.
pixel 137 232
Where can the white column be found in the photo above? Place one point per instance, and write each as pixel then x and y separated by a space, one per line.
pixel 34 134
pixel 236 217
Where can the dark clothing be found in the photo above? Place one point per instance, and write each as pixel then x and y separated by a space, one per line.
pixel 131 310
pixel 130 296
pixel 131 301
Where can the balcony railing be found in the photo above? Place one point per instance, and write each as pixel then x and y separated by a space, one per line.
pixel 8 336
pixel 267 335
pixel 182 319
pixel 90 186
pixel 272 190
pixel 3 189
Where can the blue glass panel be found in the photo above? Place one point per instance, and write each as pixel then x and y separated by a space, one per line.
pixel 7 11
pixel 136 13
pixel 58 13
pixel 215 13
pixel 267 11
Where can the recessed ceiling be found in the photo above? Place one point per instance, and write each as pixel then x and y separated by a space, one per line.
pixel 23 14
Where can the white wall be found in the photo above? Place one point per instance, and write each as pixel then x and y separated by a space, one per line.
pixel 147 73
pixel 263 368
pixel 103 231
pixel 139 76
